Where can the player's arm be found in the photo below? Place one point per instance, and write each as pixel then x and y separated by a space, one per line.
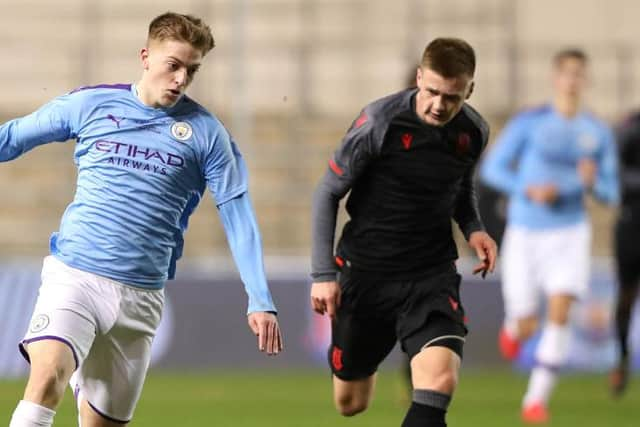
pixel 628 139
pixel 606 186
pixel 346 164
pixel 52 122
pixel 226 176
pixel 467 216
pixel 243 235
pixel 498 169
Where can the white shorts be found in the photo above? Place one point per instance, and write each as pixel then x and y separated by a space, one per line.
pixel 109 327
pixel 541 263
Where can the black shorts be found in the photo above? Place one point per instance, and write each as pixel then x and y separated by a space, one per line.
pixel 627 253
pixel 375 313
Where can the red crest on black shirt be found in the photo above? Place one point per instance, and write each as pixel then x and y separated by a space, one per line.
pixel 406 140
pixel 463 144
pixel 361 120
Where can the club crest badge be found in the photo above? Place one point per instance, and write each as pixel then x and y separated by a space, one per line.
pixel 181 131
pixel 39 323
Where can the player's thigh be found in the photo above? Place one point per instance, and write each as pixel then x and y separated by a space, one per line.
pixel 52 364
pixel 65 312
pixel 90 418
pixel 436 349
pixel 359 343
pixel 51 356
pixel 112 376
pixel 520 289
pixel 440 330
pixel 566 268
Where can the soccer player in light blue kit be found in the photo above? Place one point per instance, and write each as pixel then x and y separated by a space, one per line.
pixel 145 154
pixel 547 160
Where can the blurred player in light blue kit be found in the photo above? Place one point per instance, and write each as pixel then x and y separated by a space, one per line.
pixel 547 160
pixel 145 155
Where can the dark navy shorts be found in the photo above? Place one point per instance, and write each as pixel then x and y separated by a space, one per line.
pixel 375 313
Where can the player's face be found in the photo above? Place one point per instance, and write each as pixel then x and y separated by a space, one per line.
pixel 439 99
pixel 169 67
pixel 570 77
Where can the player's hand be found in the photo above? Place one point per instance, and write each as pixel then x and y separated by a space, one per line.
pixel 325 297
pixel 587 170
pixel 486 250
pixel 542 193
pixel 265 326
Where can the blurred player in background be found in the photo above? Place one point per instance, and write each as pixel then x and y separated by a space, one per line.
pixel 145 154
pixel 547 160
pixel 408 161
pixel 627 234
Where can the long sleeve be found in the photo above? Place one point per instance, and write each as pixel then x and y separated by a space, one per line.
pixel 348 162
pixel 606 186
pixel 48 124
pixel 498 168
pixel 239 221
pixel 628 138
pixel 466 213
pixel 326 200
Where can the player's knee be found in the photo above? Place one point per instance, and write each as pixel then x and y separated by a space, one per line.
pixel 527 327
pixel 349 405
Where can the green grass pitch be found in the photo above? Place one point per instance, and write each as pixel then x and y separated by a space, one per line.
pixel 303 399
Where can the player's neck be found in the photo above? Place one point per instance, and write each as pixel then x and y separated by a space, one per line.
pixel 567 106
pixel 139 91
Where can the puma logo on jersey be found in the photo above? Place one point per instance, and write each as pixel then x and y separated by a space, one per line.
pixel 115 120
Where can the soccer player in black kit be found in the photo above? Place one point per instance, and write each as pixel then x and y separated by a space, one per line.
pixel 627 254
pixel 408 160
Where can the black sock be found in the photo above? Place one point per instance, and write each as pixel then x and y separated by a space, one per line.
pixel 624 307
pixel 420 415
pixel 427 409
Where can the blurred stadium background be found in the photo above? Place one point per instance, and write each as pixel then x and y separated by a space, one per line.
pixel 288 77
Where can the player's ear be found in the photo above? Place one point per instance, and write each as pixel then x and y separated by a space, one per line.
pixel 418 76
pixel 473 84
pixel 144 57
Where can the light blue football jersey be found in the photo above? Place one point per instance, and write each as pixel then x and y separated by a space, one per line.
pixel 141 172
pixel 540 146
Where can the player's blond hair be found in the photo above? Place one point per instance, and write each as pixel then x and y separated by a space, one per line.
pixel 449 57
pixel 184 28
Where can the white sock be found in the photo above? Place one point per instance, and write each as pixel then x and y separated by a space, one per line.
pixel 541 384
pixel 551 355
pixel 29 414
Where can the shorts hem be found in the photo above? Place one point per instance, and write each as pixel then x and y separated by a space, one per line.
pixel 107 417
pixel 440 338
pixel 351 377
pixel 25 354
